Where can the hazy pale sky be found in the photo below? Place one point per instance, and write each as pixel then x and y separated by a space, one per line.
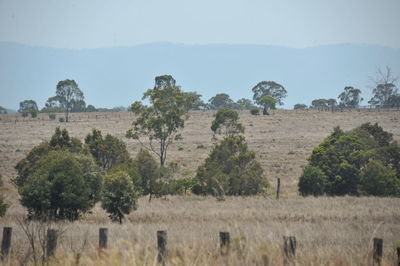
pixel 110 23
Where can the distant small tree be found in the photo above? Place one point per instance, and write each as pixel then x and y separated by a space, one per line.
pixel 384 87
pixel 147 169
pixel 161 121
pixel 221 100
pixel 312 182
pixel 226 122
pixel 108 151
pixel 119 196
pixel 91 108
pixel 263 88
pixel 3 205
pixel 28 107
pixel 244 104
pixel 198 103
pixel 3 110
pixel 255 110
pixel 350 97
pixel 69 96
pixel 300 106
pixel 267 102
pixel 394 101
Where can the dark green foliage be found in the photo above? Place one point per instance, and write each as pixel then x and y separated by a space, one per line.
pixel 255 111
pixel 182 186
pixel 385 89
pixel 379 180
pixel 59 141
pixel 243 104
pixel 108 151
pixel 163 118
pixel 226 122
pixel 350 97
pixel 220 100
pixel 63 185
pixel 263 88
pixel 147 169
pixel 119 195
pixel 343 156
pixel 28 107
pixel 69 97
pixel 323 103
pixel 230 169
pixel 90 108
pixel 300 106
pixel 3 205
pixel 312 182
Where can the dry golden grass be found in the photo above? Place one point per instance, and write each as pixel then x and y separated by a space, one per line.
pixel 329 231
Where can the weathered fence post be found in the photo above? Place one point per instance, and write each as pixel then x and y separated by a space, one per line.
pixel 224 239
pixel 278 187
pixel 398 256
pixel 378 248
pixel 289 246
pixel 162 246
pixel 6 242
pixel 51 246
pixel 103 237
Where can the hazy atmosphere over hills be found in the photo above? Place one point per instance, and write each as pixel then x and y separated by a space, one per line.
pixel 117 76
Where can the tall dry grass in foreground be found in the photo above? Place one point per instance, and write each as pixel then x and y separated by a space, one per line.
pixel 329 231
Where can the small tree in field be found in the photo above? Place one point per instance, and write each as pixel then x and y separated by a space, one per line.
pixel 119 196
pixel 350 97
pixel 267 102
pixel 28 107
pixel 161 121
pixel 263 88
pixel 312 182
pixel 226 122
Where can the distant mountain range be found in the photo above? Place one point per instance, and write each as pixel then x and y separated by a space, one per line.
pixel 118 76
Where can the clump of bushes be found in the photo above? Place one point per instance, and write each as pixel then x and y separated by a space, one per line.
pixel 255 110
pixel 363 161
pixel 3 205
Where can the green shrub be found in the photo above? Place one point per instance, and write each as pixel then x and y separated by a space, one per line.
pixel 312 182
pixel 119 196
pixel 52 116
pixel 61 119
pixel 379 180
pixel 255 111
pixel 62 186
pixel 3 205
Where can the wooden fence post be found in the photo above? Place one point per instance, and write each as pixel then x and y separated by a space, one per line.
pixel 162 246
pixel 378 248
pixel 6 242
pixel 278 187
pixel 289 246
pixel 103 237
pixel 51 246
pixel 224 239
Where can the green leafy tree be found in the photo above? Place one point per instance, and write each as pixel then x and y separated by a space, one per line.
pixel 198 103
pixel 90 108
pixel 3 110
pixel 379 180
pixel 63 185
pixel 59 141
pixel 69 96
pixel 220 100
pixel 300 106
pixel 384 87
pixel 267 102
pixel 163 119
pixel 312 182
pixel 226 122
pixel 3 206
pixel 28 107
pixel 394 101
pixel 108 151
pixel 263 88
pixel 350 97
pixel 343 157
pixel 119 196
pixel 230 169
pixel 244 104
pixel 147 170
pixel 255 110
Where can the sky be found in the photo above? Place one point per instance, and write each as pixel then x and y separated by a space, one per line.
pixel 80 24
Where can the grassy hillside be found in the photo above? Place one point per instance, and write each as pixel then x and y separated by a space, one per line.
pixel 329 231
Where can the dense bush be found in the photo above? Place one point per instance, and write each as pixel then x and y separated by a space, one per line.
pixel 119 196
pixel 344 156
pixel 226 122
pixel 230 169
pixel 108 151
pixel 63 185
pixel 312 181
pixel 255 111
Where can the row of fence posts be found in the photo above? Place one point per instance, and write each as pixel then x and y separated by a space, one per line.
pixel 289 245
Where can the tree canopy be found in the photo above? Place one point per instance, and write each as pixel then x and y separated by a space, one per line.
pixel 384 88
pixel 263 88
pixel 350 97
pixel 226 122
pixel 161 121
pixel 28 107
pixel 220 100
pixel 343 157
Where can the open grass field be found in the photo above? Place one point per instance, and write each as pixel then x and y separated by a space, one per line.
pixel 329 231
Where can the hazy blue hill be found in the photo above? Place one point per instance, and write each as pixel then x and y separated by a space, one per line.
pixel 118 76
